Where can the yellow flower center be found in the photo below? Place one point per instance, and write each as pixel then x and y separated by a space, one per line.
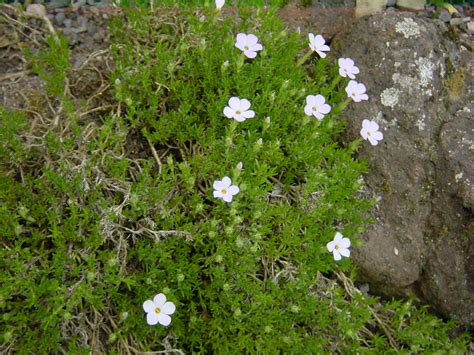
pixel 369 133
pixel 224 191
pixel 157 310
pixel 336 247
pixel 237 112
pixel 246 48
pixel 315 108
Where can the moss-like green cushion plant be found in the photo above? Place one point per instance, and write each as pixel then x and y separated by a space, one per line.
pixel 211 210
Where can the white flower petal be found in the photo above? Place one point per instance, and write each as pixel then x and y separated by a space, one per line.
pixel 152 318
pixel 248 114
pixel 373 126
pixel 319 40
pixel 308 110
pixel 168 308
pixel 345 252
pixel 345 243
pixel 366 124
pixel 241 41
pixel 226 182
pixel 321 54
pixel 250 54
pixel 227 197
pixel 256 47
pixel 377 135
pixel 218 194
pixel 319 100
pixel 164 319
pixel 325 108
pixel 311 37
pixel 148 306
pixel 363 133
pixel 324 48
pixel 360 88
pixel 217 185
pixel 244 104
pixel 234 103
pixel 239 118
pixel 159 300
pixel 338 237
pixel 337 255
pixel 228 112
pixel 251 40
pixel 220 4
pixel 311 100
pixel 233 190
pixel 331 245
pixel 372 140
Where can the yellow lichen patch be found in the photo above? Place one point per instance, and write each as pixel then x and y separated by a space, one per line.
pixel 455 85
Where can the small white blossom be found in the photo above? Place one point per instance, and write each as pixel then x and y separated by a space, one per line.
pixel 220 4
pixel 316 106
pixel 158 310
pixel 248 44
pixel 339 246
pixel 347 68
pixel 317 44
pixel 238 109
pixel 224 189
pixel 370 131
pixel 240 165
pixel 260 141
pixel 267 119
pixel 356 91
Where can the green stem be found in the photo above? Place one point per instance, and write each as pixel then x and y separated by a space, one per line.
pixel 304 58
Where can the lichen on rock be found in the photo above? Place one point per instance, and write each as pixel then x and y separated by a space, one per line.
pixel 389 97
pixel 408 28
pixel 425 71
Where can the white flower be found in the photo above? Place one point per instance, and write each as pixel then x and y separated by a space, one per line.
pixel 240 165
pixel 219 4
pixel 158 310
pixel 356 91
pixel 248 44
pixel 317 44
pixel 316 106
pixel 339 246
pixel 224 189
pixel 370 131
pixel 347 68
pixel 260 141
pixel 238 109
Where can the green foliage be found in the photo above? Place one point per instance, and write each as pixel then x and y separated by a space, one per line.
pixel 199 3
pixel 92 228
pixel 442 2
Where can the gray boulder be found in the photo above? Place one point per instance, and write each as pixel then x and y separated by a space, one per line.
pixel 419 81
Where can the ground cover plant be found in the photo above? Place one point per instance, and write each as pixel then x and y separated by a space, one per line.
pixel 205 205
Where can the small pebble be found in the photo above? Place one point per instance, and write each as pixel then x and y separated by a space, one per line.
pixel 60 17
pixel 470 26
pixel 459 21
pixel 444 15
pixel 67 23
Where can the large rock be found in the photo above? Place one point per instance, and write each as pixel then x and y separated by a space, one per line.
pixel 420 92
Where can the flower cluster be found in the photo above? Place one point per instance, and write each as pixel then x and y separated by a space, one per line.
pixel 238 109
